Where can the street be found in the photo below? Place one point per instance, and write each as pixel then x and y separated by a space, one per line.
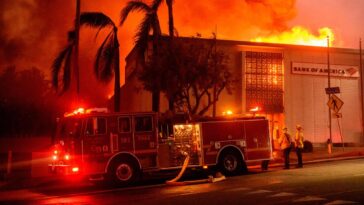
pixel 338 182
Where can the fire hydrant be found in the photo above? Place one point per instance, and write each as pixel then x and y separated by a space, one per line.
pixel 329 146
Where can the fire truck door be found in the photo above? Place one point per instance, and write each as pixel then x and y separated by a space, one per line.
pixel 123 139
pixel 145 139
pixel 96 140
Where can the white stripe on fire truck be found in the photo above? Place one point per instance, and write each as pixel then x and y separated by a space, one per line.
pixel 145 151
pixel 257 149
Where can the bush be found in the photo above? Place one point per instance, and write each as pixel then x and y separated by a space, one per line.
pixel 307 146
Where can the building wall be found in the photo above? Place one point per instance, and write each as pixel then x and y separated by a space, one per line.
pixel 306 100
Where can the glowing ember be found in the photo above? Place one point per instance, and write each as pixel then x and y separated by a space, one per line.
pixel 300 36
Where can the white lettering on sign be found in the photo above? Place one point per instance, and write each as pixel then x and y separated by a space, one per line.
pixel 321 69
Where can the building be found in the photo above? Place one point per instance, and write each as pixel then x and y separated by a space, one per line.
pixel 286 82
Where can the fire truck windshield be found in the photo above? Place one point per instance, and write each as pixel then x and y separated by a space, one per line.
pixel 69 128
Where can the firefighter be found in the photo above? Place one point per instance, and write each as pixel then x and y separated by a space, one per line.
pixel 285 143
pixel 299 145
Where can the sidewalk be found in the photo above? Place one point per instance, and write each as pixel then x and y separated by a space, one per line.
pixel 320 154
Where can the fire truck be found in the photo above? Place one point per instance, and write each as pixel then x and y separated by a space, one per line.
pixel 122 146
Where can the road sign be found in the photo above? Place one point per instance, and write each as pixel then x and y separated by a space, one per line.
pixel 335 103
pixel 332 90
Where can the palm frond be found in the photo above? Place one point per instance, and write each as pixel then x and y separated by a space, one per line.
pixel 71 36
pixel 134 5
pixel 156 4
pixel 156 26
pixel 141 37
pixel 95 19
pixel 58 63
pixel 67 71
pixel 106 73
pixel 104 58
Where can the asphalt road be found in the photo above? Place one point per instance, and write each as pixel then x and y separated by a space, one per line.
pixel 338 182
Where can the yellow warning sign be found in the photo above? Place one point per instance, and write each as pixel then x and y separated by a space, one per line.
pixel 335 103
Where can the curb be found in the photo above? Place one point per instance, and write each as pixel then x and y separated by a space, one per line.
pixel 277 164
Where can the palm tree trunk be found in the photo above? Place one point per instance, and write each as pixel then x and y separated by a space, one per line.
pixel 156 91
pixel 77 37
pixel 171 103
pixel 170 18
pixel 171 34
pixel 155 101
pixel 117 75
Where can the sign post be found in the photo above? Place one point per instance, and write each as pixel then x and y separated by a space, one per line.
pixel 335 104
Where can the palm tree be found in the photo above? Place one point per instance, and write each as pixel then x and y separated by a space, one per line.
pixel 64 59
pixel 107 57
pixel 149 23
pixel 156 4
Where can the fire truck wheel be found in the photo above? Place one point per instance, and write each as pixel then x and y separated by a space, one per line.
pixel 230 163
pixel 124 171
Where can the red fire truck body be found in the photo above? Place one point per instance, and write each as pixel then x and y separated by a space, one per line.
pixel 122 146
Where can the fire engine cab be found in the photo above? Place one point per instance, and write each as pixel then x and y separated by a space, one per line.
pixel 122 146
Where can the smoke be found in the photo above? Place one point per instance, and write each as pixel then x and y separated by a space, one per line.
pixel 234 19
pixel 31 31
pixel 34 31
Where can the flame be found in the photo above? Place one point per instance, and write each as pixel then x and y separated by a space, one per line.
pixel 300 36
pixel 227 112
pixel 255 109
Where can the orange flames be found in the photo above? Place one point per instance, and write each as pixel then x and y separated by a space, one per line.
pixel 300 36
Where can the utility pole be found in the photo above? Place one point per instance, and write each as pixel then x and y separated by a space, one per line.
pixel 329 143
pixel 214 89
pixel 361 86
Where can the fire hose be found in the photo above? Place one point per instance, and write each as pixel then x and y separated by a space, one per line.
pixel 175 181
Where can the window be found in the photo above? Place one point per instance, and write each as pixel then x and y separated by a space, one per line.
pixel 143 124
pixel 124 124
pixel 264 81
pixel 96 126
pixel 70 127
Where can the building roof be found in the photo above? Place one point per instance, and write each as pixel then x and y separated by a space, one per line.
pixel 259 44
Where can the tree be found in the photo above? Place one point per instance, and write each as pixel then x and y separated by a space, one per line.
pixel 107 61
pixel 191 74
pixel 149 23
pixel 27 104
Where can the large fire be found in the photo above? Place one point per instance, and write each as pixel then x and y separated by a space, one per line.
pixel 300 36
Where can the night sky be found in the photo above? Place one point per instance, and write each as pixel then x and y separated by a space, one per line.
pixel 33 31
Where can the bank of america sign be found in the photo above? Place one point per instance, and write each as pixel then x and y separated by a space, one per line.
pixel 348 71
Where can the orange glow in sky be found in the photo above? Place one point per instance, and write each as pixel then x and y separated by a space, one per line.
pixel 300 36
pixel 274 21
